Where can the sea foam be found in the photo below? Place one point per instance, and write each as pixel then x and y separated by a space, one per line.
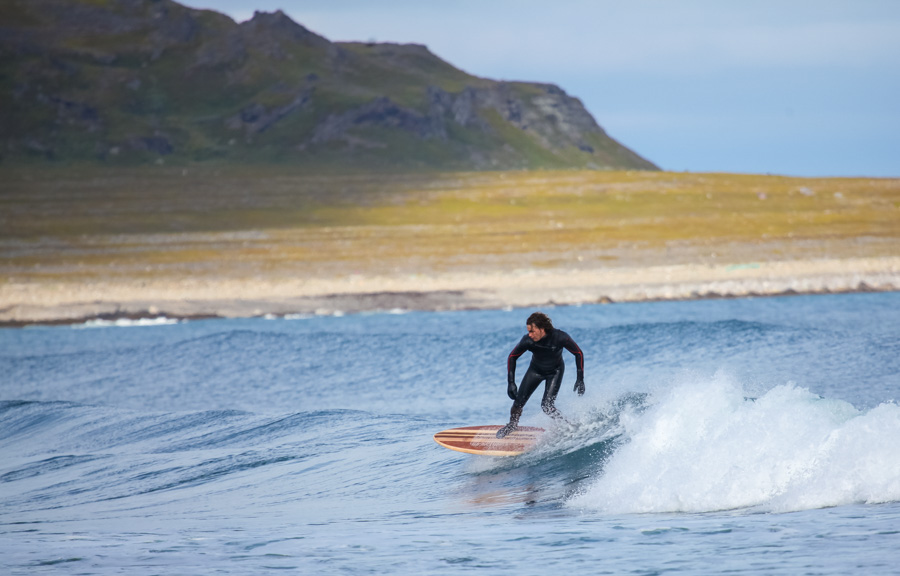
pixel 704 447
pixel 127 322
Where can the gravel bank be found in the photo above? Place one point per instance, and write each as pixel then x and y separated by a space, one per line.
pixel 23 303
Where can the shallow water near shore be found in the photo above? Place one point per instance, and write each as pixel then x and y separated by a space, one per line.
pixel 719 436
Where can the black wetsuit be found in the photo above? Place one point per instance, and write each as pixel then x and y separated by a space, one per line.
pixel 546 365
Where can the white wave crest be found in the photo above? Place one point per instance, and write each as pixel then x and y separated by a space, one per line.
pixel 705 447
pixel 127 322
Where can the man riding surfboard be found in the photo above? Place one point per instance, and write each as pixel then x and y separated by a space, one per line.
pixel 546 344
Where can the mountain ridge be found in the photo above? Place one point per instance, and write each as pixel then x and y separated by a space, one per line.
pixel 140 81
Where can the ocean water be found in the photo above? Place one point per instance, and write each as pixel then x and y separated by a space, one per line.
pixel 715 437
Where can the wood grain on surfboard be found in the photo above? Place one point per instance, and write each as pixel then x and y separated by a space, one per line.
pixel 483 440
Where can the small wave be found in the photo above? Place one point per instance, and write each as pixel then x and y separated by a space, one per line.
pixel 659 340
pixel 127 322
pixel 87 428
pixel 67 454
pixel 33 469
pixel 706 447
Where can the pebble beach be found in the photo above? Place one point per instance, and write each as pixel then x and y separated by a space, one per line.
pixel 62 301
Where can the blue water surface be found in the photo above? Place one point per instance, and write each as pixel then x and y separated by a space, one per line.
pixel 720 436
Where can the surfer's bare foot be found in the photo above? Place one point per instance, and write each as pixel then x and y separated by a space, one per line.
pixel 501 433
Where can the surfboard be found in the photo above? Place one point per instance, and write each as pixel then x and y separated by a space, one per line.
pixel 483 440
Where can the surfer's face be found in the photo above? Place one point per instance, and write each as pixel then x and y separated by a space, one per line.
pixel 536 333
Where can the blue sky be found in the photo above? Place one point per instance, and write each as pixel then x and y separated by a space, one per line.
pixel 796 87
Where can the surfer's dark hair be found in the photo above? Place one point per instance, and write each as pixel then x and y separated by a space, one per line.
pixel 540 320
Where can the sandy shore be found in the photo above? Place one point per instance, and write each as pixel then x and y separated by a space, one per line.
pixel 23 303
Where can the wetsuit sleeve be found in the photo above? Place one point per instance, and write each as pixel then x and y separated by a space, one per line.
pixel 572 347
pixel 520 349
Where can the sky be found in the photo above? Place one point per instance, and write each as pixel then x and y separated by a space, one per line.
pixel 792 87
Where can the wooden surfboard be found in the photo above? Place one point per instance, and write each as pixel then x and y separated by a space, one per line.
pixel 483 440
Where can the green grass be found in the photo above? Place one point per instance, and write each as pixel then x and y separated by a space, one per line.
pixel 89 223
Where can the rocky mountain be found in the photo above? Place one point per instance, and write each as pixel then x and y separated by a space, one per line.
pixel 137 81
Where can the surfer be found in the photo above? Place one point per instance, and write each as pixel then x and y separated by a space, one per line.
pixel 546 344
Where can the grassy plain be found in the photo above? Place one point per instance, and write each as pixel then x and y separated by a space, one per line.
pixel 208 224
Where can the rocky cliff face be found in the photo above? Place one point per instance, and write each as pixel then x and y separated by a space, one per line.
pixel 130 81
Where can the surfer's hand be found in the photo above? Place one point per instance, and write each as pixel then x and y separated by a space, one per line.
pixel 579 387
pixel 511 390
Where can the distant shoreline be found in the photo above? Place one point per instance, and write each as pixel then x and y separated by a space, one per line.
pixel 63 303
pixel 123 243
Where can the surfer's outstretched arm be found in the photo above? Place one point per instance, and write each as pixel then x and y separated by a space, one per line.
pixel 520 349
pixel 572 347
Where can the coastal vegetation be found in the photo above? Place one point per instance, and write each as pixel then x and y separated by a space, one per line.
pixel 87 224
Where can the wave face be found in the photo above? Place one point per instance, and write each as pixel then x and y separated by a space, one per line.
pixel 247 446
pixel 76 461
